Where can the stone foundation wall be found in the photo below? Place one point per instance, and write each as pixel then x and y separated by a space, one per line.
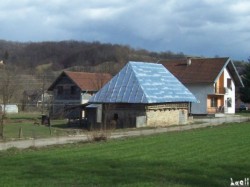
pixel 167 117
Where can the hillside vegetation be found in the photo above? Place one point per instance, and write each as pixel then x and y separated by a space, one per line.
pixel 70 54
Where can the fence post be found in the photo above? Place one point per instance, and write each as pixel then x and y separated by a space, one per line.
pixel 20 133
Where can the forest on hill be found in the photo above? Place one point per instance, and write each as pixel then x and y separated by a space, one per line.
pixel 76 55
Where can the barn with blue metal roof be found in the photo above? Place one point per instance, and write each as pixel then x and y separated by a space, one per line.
pixel 144 94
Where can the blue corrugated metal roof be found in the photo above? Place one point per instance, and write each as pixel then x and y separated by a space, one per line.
pixel 140 82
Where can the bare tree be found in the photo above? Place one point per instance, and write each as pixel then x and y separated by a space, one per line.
pixel 8 86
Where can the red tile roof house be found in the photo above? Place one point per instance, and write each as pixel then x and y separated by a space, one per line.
pixel 71 89
pixel 213 81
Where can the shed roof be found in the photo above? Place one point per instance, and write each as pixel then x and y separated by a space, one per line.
pixel 201 70
pixel 140 82
pixel 84 80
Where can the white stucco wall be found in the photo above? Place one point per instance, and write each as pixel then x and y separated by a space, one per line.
pixel 229 94
pixel 200 91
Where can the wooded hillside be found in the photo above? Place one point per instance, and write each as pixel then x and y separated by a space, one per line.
pixel 55 56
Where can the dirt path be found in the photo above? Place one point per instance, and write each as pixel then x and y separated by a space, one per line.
pixel 199 123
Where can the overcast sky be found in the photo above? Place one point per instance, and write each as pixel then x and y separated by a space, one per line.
pixel 194 27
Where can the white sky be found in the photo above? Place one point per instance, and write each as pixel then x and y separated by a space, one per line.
pixel 194 27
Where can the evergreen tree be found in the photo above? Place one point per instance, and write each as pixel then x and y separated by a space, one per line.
pixel 245 91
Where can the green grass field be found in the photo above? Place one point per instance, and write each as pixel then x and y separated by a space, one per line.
pixel 203 157
pixel 30 129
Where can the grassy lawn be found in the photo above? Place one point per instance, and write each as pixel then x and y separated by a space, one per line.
pixel 203 157
pixel 244 113
pixel 29 129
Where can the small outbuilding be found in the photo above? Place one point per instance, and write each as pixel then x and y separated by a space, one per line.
pixel 143 94
pixel 9 109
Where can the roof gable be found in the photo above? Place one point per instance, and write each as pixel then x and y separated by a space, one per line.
pixel 140 82
pixel 201 70
pixel 84 81
pixel 198 71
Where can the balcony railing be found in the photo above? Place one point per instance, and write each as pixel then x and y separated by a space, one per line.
pixel 67 97
pixel 213 110
pixel 220 90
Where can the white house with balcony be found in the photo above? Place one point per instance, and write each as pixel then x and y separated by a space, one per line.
pixel 213 81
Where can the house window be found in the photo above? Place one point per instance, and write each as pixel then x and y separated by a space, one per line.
pixel 215 88
pixel 229 83
pixel 213 102
pixel 229 102
pixel 73 90
pixel 59 90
